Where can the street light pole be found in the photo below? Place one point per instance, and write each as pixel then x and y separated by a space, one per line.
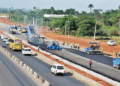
pixel 33 21
pixel 65 27
pixel 95 30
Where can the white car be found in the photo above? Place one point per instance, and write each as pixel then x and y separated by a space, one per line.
pixel 111 42
pixel 7 42
pixel 57 69
pixel 26 51
pixel 5 39
pixel 3 36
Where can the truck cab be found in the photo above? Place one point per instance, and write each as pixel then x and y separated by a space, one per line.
pixel 116 63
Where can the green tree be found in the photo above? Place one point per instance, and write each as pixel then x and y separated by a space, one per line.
pixel 90 6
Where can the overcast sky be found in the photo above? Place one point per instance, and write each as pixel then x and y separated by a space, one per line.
pixel 79 5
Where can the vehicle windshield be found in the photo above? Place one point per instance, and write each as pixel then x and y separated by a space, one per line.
pixel 60 67
pixel 27 49
pixel 112 41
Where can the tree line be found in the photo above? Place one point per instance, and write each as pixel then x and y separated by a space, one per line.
pixel 81 24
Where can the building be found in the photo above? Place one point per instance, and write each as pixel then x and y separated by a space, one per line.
pixel 54 15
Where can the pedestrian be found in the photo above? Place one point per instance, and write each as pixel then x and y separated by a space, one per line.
pixel 119 54
pixel 113 53
pixel 38 48
pixel 116 53
pixel 71 45
pixel 67 43
pixel 102 49
pixel 78 46
pixel 90 63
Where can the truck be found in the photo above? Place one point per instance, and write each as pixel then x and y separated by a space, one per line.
pixel 54 46
pixel 93 48
pixel 12 30
pixel 116 63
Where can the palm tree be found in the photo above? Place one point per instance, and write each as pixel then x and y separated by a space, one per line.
pixel 90 6
pixel 52 9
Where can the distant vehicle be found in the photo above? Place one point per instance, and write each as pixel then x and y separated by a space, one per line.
pixel 93 48
pixel 3 36
pixel 111 42
pixel 19 28
pixel 4 39
pixel 7 42
pixel 116 63
pixel 12 30
pixel 15 44
pixel 24 30
pixel 57 69
pixel 54 46
pixel 26 51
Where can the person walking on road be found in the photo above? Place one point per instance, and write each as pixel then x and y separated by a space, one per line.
pixel 102 49
pixel 71 45
pixel 38 48
pixel 78 46
pixel 90 63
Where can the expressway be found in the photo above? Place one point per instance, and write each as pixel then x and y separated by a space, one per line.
pixel 12 75
pixel 74 56
pixel 43 69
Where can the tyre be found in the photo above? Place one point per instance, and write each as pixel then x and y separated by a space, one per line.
pixel 88 52
pixel 118 67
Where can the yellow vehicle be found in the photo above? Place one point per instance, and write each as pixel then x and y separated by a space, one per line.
pixel 15 44
pixel 24 30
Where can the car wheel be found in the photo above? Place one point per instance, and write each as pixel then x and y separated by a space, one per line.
pixel 88 52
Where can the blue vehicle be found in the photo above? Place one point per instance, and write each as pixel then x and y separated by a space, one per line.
pixel 54 46
pixel 12 30
pixel 33 36
pixel 93 48
pixel 116 63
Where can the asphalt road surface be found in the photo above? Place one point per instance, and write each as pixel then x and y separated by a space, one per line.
pixel 74 56
pixel 12 75
pixel 43 69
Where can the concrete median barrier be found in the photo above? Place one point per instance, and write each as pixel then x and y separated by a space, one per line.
pixel 21 63
pixel 18 61
pixel 28 68
pixel 24 66
pixel 31 71
pixel 46 83
pixel 13 57
pixel 41 79
pixel 35 75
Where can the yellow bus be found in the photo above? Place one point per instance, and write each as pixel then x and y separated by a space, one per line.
pixel 15 44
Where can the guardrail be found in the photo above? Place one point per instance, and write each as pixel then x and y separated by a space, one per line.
pixel 33 74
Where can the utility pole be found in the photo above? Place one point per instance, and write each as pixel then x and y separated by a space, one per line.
pixel 42 21
pixel 36 22
pixel 47 23
pixel 95 30
pixel 33 21
pixel 69 29
pixel 65 27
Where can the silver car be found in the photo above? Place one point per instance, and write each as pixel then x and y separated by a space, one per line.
pixel 111 43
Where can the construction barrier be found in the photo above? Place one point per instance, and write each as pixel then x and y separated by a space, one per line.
pixel 24 66
pixel 28 68
pixel 35 74
pixel 21 63
pixel 31 71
